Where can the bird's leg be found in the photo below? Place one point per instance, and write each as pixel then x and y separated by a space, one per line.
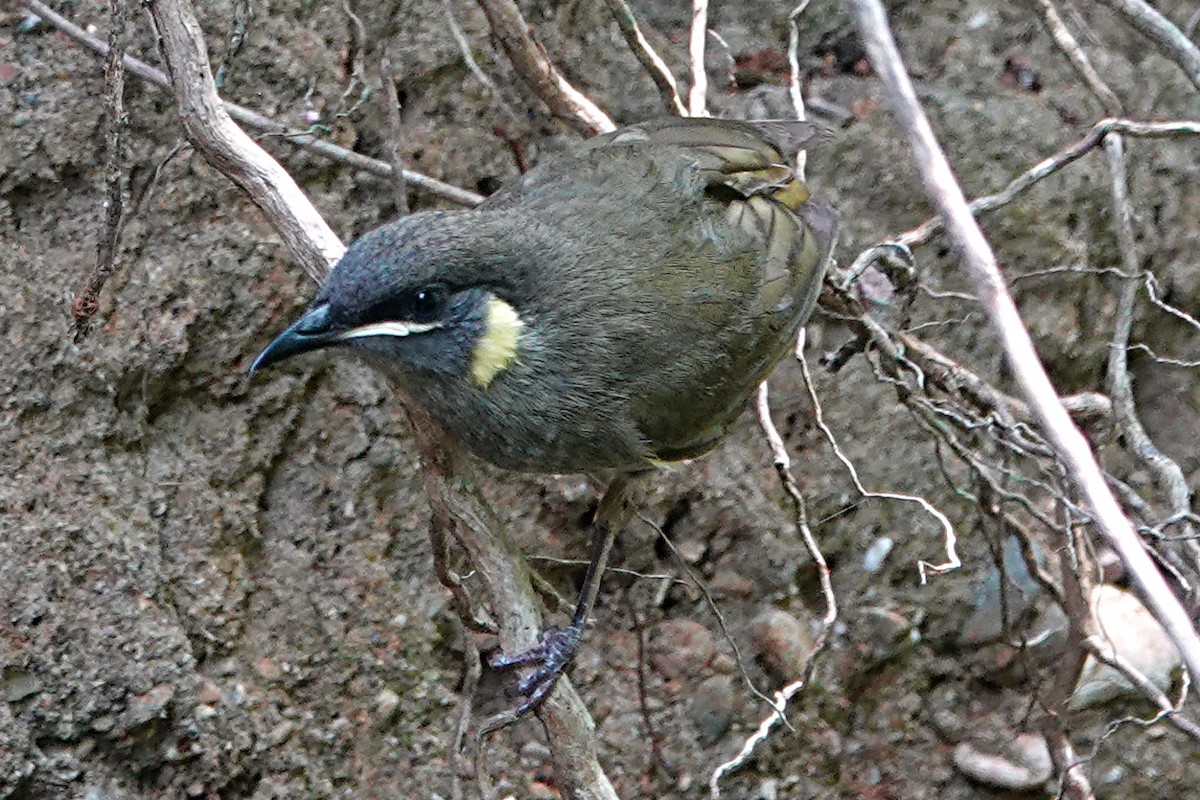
pixel 560 644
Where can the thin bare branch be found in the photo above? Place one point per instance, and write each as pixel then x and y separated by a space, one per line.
pixel 529 59
pixel 794 92
pixel 657 759
pixel 462 509
pixel 464 49
pixel 251 119
pixel 653 63
pixel 762 408
pixel 782 462
pixel 505 579
pixel 472 671
pixel 357 45
pixel 632 573
pixel 1155 295
pixel 1066 42
pixel 727 53
pixel 1103 651
pixel 698 581
pixel 698 94
pixel 1160 30
pixel 1117 724
pixel 1048 166
pixel 1069 665
pixel 1161 359
pixel 88 302
pixel 215 136
pixel 1165 470
pixel 1146 277
pixel 1073 778
pixel 953 377
pixel 950 538
pixel 395 144
pixel 980 264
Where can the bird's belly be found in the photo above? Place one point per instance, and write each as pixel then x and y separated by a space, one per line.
pixel 532 427
pixel 525 446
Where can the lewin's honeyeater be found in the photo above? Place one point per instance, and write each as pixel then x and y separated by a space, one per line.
pixel 613 309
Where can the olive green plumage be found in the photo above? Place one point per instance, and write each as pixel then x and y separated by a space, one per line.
pixel 613 308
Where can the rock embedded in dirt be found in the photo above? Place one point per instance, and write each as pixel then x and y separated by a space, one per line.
pixel 711 708
pixel 681 648
pixel 1020 765
pixel 782 642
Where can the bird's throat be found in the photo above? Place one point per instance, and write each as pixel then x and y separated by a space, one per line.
pixel 499 344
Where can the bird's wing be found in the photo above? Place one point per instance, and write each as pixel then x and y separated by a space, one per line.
pixel 749 157
pixel 759 248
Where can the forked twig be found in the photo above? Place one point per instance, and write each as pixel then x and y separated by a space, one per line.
pixel 1052 164
pixel 251 119
pixel 1166 470
pixel 949 537
pixel 1071 48
pixel 980 264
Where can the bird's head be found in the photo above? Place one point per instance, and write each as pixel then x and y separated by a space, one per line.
pixel 420 294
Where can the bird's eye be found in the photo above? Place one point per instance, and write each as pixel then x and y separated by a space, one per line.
pixel 428 303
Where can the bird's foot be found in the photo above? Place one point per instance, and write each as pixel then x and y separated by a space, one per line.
pixel 551 656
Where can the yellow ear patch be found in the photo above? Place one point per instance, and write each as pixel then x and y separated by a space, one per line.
pixel 498 345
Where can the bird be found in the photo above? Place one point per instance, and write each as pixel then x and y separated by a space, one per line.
pixel 608 313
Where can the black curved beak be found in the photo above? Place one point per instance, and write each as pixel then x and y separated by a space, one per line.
pixel 311 332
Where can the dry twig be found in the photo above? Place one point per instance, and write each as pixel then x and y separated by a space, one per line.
pixel 1165 470
pixel 464 49
pixel 1048 166
pixel 1135 438
pixel 1102 650
pixel 1160 30
pixel 980 264
pixel 472 671
pixel 1076 584
pixel 1066 42
pixel 657 759
pixel 698 94
pixel 395 145
pixel 698 582
pixel 653 63
pixel 88 302
pixel 779 702
pixel 530 61
pixel 1120 387
pixel 797 97
pixel 949 537
pixel 251 119
pixel 227 147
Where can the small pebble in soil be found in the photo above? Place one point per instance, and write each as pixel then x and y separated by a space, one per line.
pixel 782 642
pixel 711 709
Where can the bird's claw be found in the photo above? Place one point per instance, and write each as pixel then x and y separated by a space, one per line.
pixel 552 656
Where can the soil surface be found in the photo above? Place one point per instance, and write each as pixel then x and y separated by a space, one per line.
pixel 214 587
